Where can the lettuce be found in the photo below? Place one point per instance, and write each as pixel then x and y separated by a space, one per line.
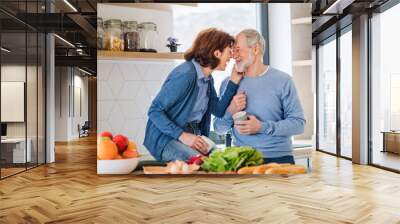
pixel 232 159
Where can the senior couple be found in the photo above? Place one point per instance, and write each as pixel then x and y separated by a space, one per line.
pixel 181 112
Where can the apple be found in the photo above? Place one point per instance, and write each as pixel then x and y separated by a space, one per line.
pixel 121 142
pixel 105 136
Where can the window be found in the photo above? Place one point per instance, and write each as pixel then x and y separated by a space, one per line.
pixel 231 18
pixel 385 88
pixel 346 94
pixel 22 77
pixel 327 97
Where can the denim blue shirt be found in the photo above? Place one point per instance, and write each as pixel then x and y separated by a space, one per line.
pixel 201 104
pixel 173 105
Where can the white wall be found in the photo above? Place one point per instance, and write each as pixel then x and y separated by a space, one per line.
pixel 50 95
pixel 290 43
pixel 12 73
pixel 66 120
pixel 33 127
pixel 163 19
pixel 279 30
pixel 301 39
pixel 80 118
pixel 61 103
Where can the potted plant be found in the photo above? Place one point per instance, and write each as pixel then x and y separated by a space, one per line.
pixel 173 44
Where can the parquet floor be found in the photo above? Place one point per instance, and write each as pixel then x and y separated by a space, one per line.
pixel 69 191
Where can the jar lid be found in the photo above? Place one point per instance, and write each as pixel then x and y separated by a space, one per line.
pixel 149 25
pixel 130 24
pixel 112 22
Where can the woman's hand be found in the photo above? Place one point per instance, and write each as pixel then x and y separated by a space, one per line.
pixel 194 142
pixel 236 76
pixel 238 103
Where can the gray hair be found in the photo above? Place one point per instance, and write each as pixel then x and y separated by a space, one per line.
pixel 253 37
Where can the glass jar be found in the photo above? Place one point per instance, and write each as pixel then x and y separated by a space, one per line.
pixel 148 37
pixel 131 36
pixel 113 35
pixel 100 34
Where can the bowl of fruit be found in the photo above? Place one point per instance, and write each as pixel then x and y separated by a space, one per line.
pixel 116 154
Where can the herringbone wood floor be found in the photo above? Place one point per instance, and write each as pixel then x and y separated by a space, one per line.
pixel 69 191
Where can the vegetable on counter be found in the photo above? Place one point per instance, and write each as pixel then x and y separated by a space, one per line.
pixel 175 167
pixel 232 159
pixel 198 160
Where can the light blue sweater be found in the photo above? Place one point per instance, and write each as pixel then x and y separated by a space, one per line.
pixel 272 98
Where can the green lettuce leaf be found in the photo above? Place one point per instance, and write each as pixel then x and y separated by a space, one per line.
pixel 232 159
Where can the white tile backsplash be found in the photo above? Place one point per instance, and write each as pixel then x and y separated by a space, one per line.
pixel 115 80
pixel 104 109
pixel 116 119
pixel 103 125
pixel 125 91
pixel 105 93
pixel 130 110
pixel 129 90
pixel 152 88
pixel 130 72
pixel 142 69
pixel 103 70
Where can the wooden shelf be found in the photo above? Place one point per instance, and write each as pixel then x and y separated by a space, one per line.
pixel 111 55
pixel 302 63
pixel 302 21
pixel 152 6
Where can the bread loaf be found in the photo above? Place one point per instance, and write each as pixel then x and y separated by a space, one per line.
pixel 273 168
pixel 246 170
pixel 276 170
pixel 296 169
pixel 262 168
pixel 292 169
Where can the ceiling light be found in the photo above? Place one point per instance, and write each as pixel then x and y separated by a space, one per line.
pixel 65 41
pixel 5 50
pixel 84 71
pixel 70 5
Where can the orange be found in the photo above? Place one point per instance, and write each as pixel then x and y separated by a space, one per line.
pixel 119 157
pixel 107 150
pixel 130 154
pixel 132 146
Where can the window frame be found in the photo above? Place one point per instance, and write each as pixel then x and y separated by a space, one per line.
pixel 379 10
pixel 334 37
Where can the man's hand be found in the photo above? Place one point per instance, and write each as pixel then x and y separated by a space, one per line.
pixel 194 142
pixel 238 103
pixel 249 127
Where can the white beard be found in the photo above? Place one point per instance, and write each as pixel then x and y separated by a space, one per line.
pixel 245 64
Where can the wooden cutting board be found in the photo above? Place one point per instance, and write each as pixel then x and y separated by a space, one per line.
pixel 161 171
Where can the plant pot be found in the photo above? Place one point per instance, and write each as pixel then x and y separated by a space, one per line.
pixel 173 48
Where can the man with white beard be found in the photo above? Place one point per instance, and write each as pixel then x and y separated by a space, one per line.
pixel 270 100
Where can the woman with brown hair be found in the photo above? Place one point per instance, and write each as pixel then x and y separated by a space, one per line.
pixel 181 112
